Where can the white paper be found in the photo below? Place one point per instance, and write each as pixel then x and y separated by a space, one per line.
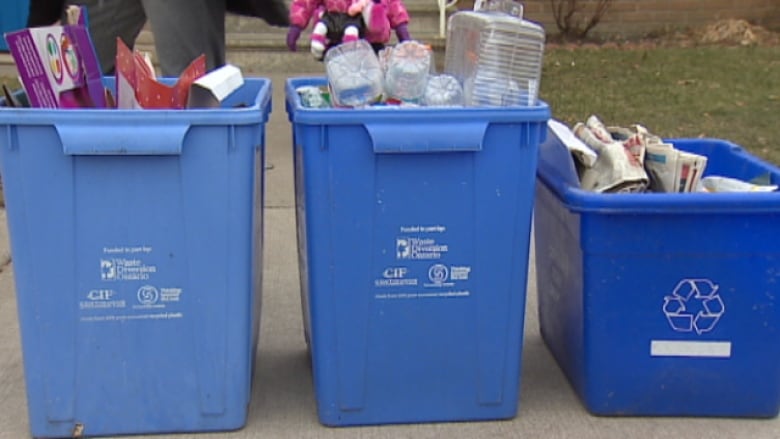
pixel 583 152
pixel 725 184
pixel 211 89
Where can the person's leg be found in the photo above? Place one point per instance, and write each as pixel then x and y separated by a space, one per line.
pixel 341 29
pixel 353 29
pixel 185 29
pixel 109 19
pixel 319 40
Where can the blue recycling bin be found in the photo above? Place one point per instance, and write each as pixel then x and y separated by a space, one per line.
pixel 413 235
pixel 662 304
pixel 13 17
pixel 136 238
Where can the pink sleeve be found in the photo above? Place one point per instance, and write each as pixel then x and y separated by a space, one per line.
pixel 301 12
pixel 396 13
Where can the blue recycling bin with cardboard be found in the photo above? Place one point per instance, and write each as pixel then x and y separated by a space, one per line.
pixel 662 304
pixel 413 236
pixel 136 238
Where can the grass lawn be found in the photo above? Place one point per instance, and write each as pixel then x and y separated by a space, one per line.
pixel 724 92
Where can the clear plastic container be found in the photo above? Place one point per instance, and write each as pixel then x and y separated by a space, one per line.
pixel 495 54
pixel 443 91
pixel 408 67
pixel 354 75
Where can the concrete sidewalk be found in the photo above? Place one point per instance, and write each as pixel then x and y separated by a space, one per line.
pixel 283 404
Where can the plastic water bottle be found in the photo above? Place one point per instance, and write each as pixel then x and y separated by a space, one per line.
pixel 312 97
pixel 495 54
pixel 354 75
pixel 407 68
pixel 443 90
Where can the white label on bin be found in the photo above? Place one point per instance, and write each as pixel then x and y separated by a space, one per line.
pixel 437 228
pixel 679 348
pixel 101 298
pixel 694 306
pixel 419 248
pixel 170 294
pixel 448 294
pixel 409 247
pixel 148 296
pixel 134 317
pixel 146 302
pixel 460 272
pixel 395 277
pixel 124 263
pixel 439 276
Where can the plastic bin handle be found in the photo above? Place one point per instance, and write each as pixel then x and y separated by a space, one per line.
pixel 422 137
pixel 124 139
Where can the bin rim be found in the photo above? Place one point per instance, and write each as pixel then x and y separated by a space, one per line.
pixel 350 116
pixel 255 113
pixel 582 201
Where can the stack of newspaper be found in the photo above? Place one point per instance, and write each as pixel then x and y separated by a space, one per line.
pixel 617 159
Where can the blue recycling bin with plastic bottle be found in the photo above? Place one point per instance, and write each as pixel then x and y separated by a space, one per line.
pixel 136 238
pixel 662 304
pixel 413 235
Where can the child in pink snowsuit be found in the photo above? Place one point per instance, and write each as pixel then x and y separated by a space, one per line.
pixel 335 24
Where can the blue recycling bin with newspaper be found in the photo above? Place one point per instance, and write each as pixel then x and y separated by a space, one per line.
pixel 136 238
pixel 662 304
pixel 413 235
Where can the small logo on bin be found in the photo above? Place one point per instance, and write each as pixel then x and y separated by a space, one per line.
pixel 438 274
pixel 694 305
pixel 403 249
pixel 100 294
pixel 395 272
pixel 107 269
pixel 148 295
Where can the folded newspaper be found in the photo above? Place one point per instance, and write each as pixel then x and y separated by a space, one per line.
pixel 672 170
pixel 630 159
pixel 617 168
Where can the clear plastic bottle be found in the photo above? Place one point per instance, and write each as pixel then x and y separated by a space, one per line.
pixel 354 75
pixel 495 54
pixel 443 91
pixel 408 67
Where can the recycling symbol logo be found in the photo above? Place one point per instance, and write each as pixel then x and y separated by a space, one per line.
pixel 694 305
